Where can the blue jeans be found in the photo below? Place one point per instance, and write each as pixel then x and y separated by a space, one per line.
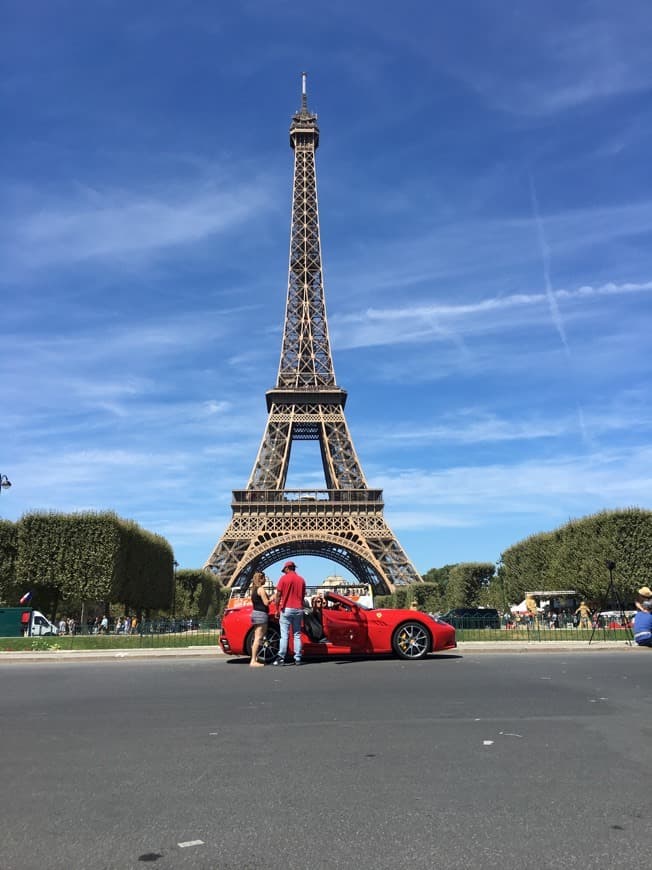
pixel 290 616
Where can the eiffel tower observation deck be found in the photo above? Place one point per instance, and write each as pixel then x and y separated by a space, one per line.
pixel 343 522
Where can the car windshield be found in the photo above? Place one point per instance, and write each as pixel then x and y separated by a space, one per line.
pixel 349 602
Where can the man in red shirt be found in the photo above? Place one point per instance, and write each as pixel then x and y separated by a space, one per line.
pixel 289 598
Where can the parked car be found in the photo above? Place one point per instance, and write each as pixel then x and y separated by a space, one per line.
pixel 472 617
pixel 349 628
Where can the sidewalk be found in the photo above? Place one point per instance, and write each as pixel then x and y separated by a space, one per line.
pixel 216 653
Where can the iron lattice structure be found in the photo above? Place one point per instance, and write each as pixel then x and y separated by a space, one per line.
pixel 344 522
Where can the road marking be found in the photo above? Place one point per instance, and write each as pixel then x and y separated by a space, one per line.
pixel 190 843
pixel 487 742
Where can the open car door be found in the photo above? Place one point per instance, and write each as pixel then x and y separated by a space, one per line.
pixel 344 623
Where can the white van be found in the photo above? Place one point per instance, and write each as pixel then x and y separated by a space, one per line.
pixel 41 625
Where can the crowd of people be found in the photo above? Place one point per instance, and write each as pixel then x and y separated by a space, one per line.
pixel 582 617
pixel 67 625
pixel 99 625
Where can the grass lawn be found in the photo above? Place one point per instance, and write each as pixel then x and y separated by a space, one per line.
pixel 110 641
pixel 542 634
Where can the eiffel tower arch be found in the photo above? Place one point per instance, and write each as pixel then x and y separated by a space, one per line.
pixel 343 522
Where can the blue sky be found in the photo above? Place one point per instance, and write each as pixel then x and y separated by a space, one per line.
pixel 486 219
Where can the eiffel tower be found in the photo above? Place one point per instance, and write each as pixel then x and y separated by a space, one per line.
pixel 344 522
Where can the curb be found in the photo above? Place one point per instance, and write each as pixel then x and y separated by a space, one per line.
pixel 110 654
pixel 552 646
pixel 216 652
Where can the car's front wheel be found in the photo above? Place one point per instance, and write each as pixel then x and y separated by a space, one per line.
pixel 411 640
pixel 269 647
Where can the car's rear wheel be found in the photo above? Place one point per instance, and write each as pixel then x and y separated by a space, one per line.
pixel 411 640
pixel 269 647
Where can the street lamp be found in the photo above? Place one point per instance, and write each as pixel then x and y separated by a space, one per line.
pixel 5 483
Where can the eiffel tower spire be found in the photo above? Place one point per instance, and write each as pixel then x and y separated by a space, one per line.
pixel 306 361
pixel 344 522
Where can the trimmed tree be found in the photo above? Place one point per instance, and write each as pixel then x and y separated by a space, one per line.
pixel 466 581
pixel 199 595
pixel 93 557
pixel 574 556
pixel 8 551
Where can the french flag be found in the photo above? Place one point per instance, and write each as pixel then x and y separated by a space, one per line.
pixel 27 597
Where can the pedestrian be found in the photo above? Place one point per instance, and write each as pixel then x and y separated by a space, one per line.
pixel 62 625
pixel 259 616
pixel 643 624
pixel 104 624
pixel 289 599
pixel 584 612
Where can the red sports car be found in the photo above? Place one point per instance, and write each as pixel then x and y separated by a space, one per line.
pixel 348 628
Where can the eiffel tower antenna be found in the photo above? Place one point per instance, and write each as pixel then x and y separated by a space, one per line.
pixel 344 522
pixel 304 96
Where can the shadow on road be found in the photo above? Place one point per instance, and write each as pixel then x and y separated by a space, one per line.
pixel 351 660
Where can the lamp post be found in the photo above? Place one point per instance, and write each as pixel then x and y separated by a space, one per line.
pixel 5 483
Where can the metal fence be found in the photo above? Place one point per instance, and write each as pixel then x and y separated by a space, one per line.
pixel 468 628
pixel 163 634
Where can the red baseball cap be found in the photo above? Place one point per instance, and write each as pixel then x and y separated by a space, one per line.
pixel 289 564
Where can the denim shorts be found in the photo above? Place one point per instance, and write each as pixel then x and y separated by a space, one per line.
pixel 258 617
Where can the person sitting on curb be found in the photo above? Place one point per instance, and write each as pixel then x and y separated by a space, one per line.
pixel 643 624
pixel 643 595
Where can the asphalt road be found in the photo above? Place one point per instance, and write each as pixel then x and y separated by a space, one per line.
pixel 463 761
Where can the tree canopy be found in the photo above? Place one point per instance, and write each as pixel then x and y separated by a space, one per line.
pixel 574 556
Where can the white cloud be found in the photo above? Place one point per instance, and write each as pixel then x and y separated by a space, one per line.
pixel 554 59
pixel 388 326
pixel 111 223
pixel 560 487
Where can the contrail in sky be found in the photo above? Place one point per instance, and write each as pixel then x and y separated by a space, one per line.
pixel 552 300
pixel 545 257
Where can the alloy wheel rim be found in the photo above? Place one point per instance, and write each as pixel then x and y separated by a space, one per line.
pixel 413 640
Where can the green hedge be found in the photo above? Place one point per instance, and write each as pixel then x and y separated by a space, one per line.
pixel 466 583
pixel 574 556
pixel 426 595
pixel 92 557
pixel 8 550
pixel 199 594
